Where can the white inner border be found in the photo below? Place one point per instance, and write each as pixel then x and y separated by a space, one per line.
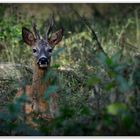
pixel 70 1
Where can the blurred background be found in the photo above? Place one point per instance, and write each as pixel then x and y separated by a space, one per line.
pixel 99 86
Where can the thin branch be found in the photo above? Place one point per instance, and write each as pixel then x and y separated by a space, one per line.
pixel 94 36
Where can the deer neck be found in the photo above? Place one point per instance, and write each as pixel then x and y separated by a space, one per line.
pixel 39 84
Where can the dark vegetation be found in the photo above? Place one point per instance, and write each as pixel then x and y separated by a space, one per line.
pixel 98 79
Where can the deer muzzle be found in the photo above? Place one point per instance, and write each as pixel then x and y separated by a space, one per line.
pixel 43 62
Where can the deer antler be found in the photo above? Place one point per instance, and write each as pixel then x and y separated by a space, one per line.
pixel 36 31
pixel 50 24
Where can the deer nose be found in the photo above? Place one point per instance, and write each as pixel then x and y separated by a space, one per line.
pixel 43 60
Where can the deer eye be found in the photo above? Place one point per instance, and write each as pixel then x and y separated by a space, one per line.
pixel 34 50
pixel 50 50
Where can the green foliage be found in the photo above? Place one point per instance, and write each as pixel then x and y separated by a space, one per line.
pixel 93 80
pixel 98 92
pixel 116 108
pixel 51 89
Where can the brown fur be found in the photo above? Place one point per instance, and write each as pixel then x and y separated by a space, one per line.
pixel 35 95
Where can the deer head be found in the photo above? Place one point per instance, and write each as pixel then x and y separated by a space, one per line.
pixel 42 47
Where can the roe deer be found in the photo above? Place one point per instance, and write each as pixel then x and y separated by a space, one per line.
pixel 42 49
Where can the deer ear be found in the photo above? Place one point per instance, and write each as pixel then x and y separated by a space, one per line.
pixel 56 37
pixel 28 36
